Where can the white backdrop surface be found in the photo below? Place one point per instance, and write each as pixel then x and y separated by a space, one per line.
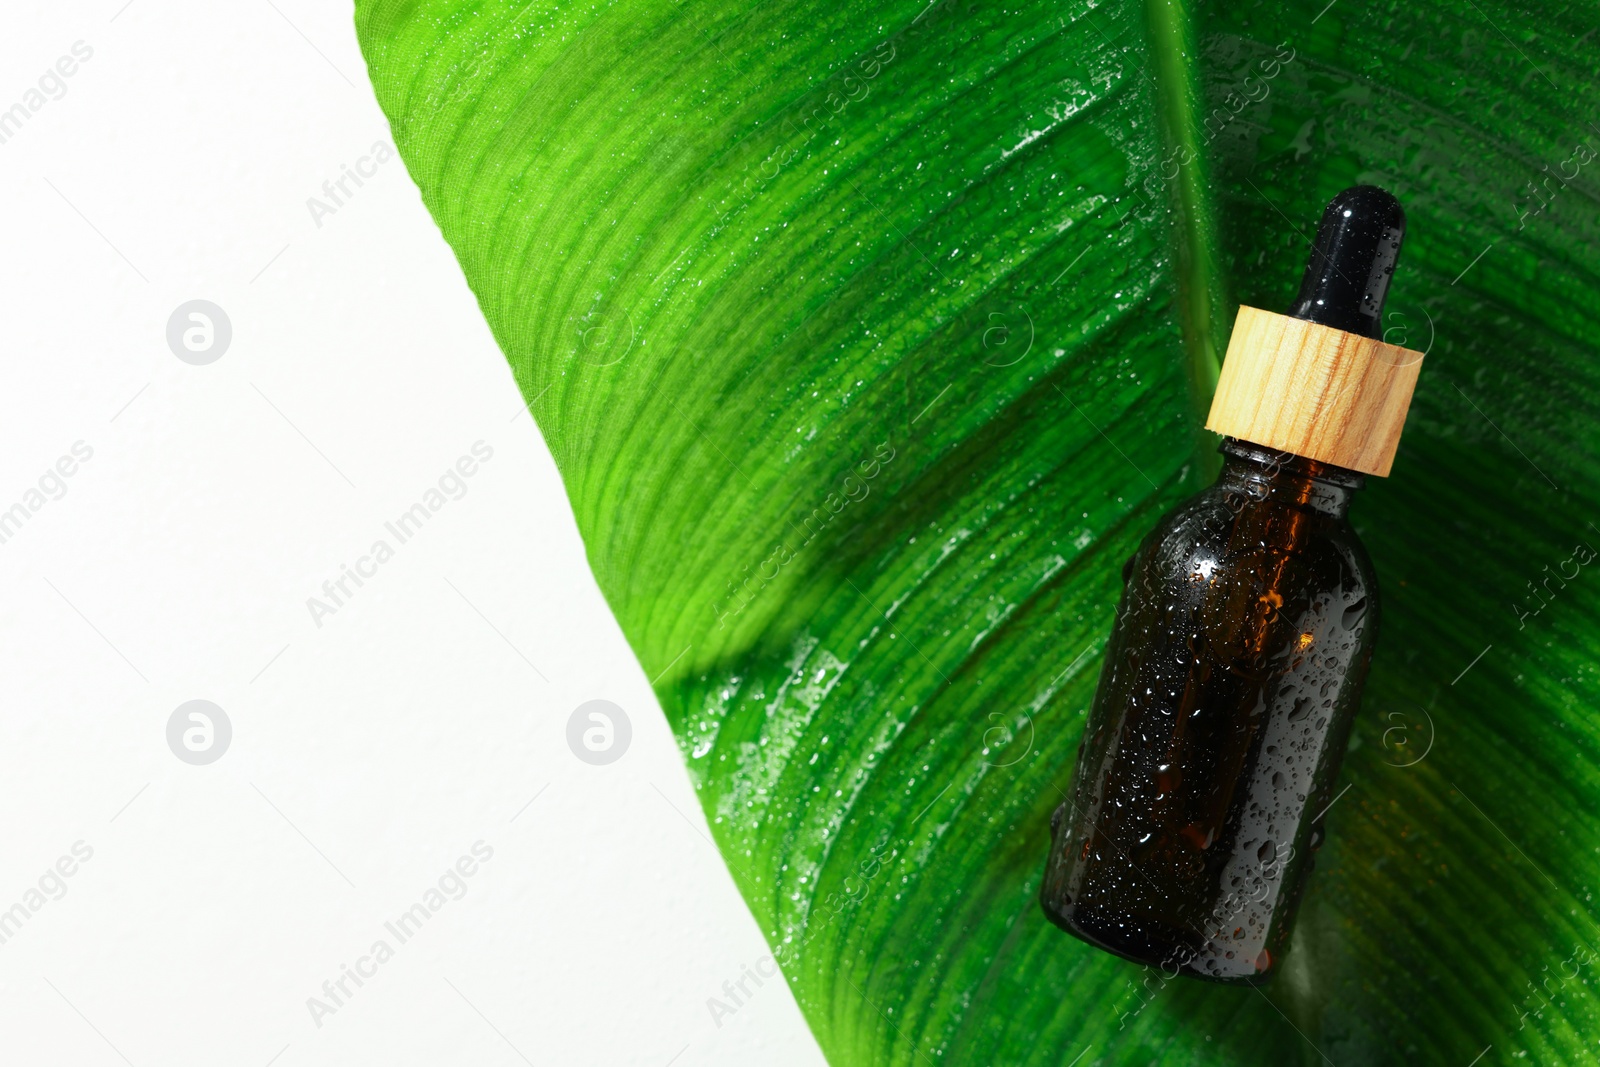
pixel 164 523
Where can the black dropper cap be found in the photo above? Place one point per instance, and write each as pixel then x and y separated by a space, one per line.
pixel 1352 260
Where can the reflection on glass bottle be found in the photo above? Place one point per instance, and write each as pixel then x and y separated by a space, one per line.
pixel 1242 639
pixel 1229 685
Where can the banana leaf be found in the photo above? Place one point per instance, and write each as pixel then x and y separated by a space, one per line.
pixel 870 338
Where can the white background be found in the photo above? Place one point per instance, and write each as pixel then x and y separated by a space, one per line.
pixel 367 754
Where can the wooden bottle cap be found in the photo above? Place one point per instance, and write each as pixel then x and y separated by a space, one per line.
pixel 1319 392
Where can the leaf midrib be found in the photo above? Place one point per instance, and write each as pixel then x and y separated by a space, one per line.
pixel 1201 300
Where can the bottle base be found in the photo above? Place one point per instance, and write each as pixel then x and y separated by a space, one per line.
pixel 1151 942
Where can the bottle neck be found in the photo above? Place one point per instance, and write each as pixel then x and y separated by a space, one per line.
pixel 1262 473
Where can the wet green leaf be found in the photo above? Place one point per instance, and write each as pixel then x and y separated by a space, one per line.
pixel 870 338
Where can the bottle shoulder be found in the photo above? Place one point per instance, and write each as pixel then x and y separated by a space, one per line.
pixel 1221 529
pixel 1252 582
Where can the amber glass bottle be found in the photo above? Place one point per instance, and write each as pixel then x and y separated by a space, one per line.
pixel 1242 639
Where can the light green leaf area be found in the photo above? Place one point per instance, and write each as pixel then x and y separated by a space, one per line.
pixel 870 339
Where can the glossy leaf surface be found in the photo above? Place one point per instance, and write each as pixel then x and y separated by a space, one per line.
pixel 870 338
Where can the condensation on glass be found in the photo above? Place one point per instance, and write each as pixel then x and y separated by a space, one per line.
pixel 1243 637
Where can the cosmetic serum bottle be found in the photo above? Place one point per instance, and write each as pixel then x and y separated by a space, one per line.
pixel 1242 639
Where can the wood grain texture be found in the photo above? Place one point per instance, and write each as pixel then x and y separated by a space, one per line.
pixel 1318 392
